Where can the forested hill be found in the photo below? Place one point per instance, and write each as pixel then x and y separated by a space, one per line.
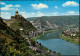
pixel 58 21
pixel 19 23
pixel 12 43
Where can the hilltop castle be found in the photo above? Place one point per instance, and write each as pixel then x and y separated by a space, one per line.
pixel 16 15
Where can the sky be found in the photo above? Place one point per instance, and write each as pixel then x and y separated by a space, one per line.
pixel 39 8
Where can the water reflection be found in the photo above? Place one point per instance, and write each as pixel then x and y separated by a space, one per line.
pixel 51 35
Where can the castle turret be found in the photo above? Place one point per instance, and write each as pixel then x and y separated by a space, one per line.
pixel 16 13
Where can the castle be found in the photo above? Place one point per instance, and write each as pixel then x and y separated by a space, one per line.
pixel 16 15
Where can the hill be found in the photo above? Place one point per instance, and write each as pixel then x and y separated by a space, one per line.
pixel 12 43
pixel 31 18
pixel 19 23
pixel 54 22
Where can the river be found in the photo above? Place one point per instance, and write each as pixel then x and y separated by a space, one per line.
pixel 53 42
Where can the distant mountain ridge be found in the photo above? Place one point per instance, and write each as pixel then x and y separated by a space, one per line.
pixel 52 22
pixel 31 18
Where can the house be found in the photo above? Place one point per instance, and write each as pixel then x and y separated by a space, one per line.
pixel 73 34
pixel 21 28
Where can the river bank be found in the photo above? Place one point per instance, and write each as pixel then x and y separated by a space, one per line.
pixel 53 42
pixel 68 39
pixel 34 45
pixel 36 37
pixel 43 47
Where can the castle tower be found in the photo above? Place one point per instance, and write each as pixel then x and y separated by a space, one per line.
pixel 16 13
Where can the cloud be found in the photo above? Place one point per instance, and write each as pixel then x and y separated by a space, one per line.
pixel 39 6
pixel 55 13
pixel 10 5
pixel 17 9
pixel 70 3
pixel 37 14
pixel 2 3
pixel 71 12
pixel 40 14
pixel 17 6
pixel 5 15
pixel 22 12
pixel 56 6
pixel 33 13
pixel 7 7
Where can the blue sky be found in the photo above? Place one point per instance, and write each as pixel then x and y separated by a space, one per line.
pixel 39 8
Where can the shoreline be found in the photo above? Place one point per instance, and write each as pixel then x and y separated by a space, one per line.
pixel 75 41
pixel 35 38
